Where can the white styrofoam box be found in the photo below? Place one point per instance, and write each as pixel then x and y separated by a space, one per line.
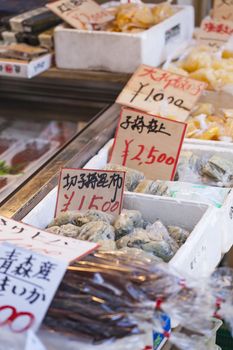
pixel 123 52
pixel 202 250
pixel 11 68
pixel 224 214
pixel 209 143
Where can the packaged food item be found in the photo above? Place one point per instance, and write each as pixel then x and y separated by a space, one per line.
pixel 112 295
pixel 135 17
pixel 107 295
pixel 208 123
pixel 204 188
pixel 16 22
pixel 202 64
pixel 213 170
pixel 127 230
pixel 22 52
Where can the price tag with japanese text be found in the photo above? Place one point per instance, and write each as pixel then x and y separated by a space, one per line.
pixel 77 13
pixel 223 9
pixel 28 283
pixel 160 92
pixel 148 143
pixel 214 33
pixel 46 243
pixel 84 189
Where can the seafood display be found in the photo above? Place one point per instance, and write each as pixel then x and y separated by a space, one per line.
pixel 25 145
pixel 213 170
pixel 206 123
pixel 127 230
pixel 202 64
pixel 108 295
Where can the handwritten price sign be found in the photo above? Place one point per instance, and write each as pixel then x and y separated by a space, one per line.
pixel 157 91
pixel 148 143
pixel 214 32
pixel 79 12
pixel 46 243
pixel 223 9
pixel 83 189
pixel 28 282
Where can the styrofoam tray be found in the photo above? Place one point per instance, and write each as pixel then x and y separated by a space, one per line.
pixel 224 214
pixel 202 250
pixel 123 52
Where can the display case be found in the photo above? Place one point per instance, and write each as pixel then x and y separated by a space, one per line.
pixel 39 118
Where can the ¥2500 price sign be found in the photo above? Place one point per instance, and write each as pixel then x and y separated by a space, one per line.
pixel 148 143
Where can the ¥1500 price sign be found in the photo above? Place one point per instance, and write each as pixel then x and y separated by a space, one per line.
pixel 148 143
pixel 84 189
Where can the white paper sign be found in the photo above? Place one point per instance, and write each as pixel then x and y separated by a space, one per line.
pixel 28 282
pixel 46 243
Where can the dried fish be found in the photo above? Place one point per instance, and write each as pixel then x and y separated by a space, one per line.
pixel 127 221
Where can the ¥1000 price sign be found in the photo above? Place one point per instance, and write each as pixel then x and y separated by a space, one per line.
pixel 85 189
pixel 148 143
pixel 160 92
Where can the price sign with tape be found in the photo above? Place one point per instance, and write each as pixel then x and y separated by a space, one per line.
pixel 160 92
pixel 148 143
pixel 77 13
pixel 46 243
pixel 28 282
pixel 223 9
pixel 84 189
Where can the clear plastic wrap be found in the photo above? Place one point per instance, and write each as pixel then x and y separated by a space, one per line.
pixel 114 300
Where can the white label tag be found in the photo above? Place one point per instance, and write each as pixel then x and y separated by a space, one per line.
pixel 46 243
pixel 28 282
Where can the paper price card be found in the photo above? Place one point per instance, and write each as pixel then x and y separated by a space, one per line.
pixel 148 143
pixel 28 237
pixel 215 33
pixel 160 92
pixel 77 13
pixel 28 282
pixel 223 9
pixel 83 189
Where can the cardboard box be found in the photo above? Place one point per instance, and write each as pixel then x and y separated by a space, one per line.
pixel 24 69
pixel 123 52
